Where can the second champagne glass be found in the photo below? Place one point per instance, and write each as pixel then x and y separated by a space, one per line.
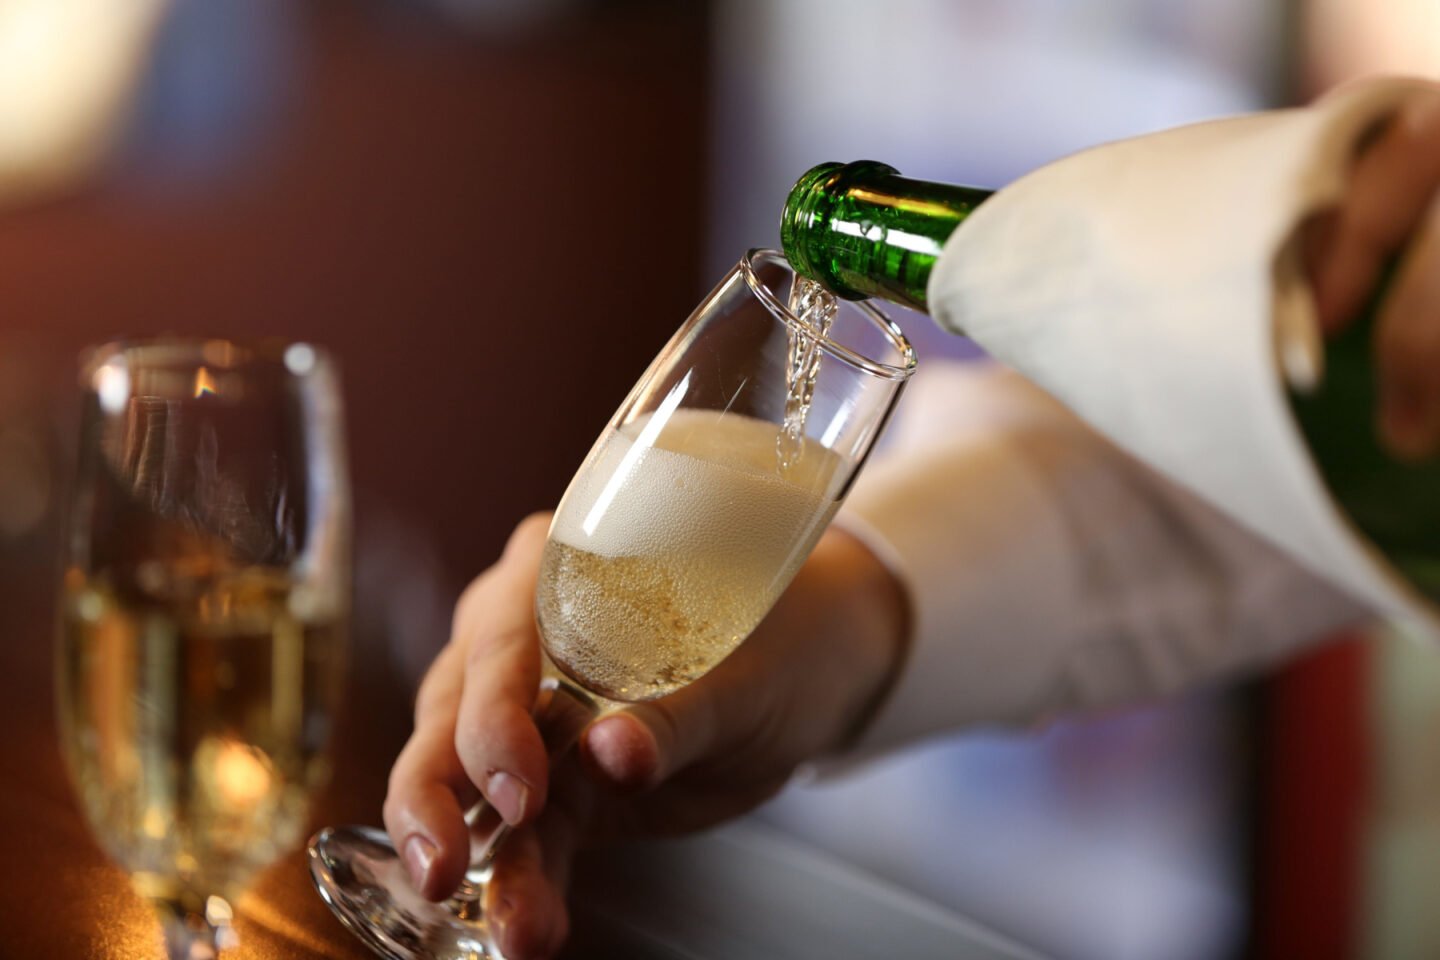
pixel 204 611
pixel 689 517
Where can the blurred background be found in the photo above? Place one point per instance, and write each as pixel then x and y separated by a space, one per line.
pixel 495 211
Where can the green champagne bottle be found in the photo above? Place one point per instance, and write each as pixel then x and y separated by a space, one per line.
pixel 862 230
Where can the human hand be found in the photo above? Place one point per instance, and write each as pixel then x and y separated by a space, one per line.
pixel 1393 202
pixel 796 689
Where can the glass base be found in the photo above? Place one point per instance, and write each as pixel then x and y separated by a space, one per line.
pixel 195 933
pixel 362 878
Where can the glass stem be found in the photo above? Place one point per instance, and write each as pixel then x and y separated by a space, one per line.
pixel 562 710
pixel 192 934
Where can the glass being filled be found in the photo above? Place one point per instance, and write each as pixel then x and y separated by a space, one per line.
pixel 689 517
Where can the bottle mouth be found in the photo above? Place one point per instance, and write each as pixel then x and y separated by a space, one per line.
pixel 801 208
pixel 813 198
pixel 900 363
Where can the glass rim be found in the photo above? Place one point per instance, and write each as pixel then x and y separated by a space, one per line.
pixel 299 357
pixel 888 328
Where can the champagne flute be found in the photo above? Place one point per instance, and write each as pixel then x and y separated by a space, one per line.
pixel 691 514
pixel 205 599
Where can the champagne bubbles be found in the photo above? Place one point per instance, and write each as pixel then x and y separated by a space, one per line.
pixel 704 529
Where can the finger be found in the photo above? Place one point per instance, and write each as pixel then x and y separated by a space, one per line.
pixel 1390 187
pixel 743 716
pixel 621 751
pixel 725 721
pixel 783 695
pixel 425 809
pixel 674 781
pixel 520 904
pixel 439 693
pixel 648 743
pixel 495 738
pixel 532 871
pixel 1408 348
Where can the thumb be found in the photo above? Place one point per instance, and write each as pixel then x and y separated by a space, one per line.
pixel 648 743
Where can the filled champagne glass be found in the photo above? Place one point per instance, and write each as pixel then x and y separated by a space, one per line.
pixel 204 606
pixel 693 511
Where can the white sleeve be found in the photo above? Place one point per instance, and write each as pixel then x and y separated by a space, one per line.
pixel 1050 572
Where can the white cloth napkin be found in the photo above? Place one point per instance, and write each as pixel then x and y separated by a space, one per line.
pixel 1152 286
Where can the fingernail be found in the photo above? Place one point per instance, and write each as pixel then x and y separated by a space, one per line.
pixel 509 795
pixel 419 855
pixel 625 759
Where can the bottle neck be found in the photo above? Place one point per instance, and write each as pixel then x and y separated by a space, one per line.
pixel 862 230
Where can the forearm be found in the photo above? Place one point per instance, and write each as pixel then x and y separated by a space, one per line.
pixel 1048 572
